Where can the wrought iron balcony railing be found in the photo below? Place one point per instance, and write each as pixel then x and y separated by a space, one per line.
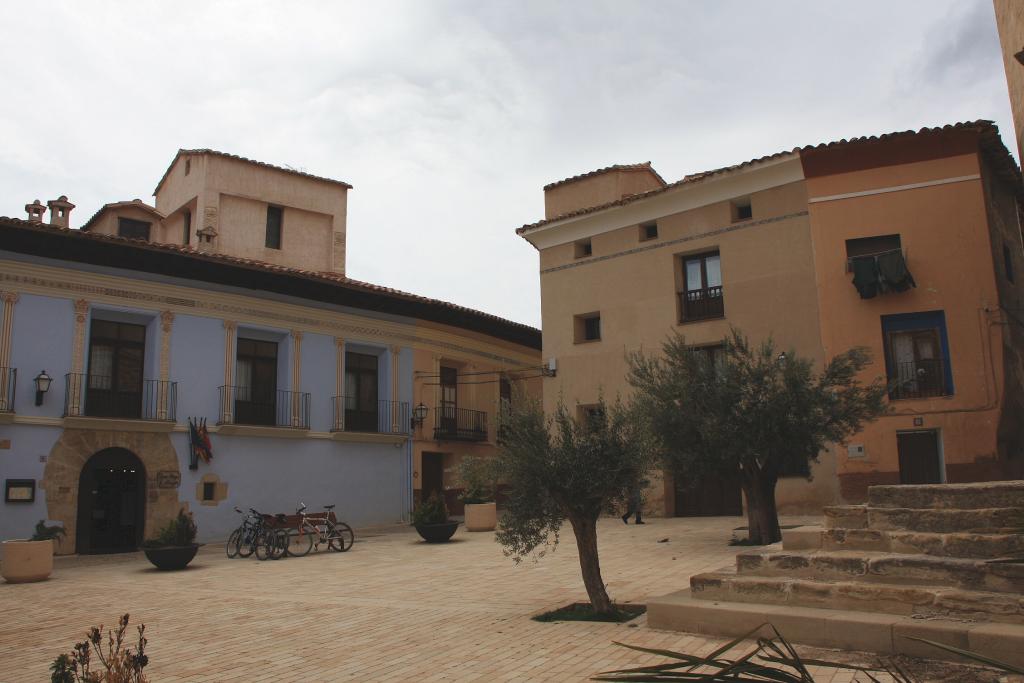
pixel 243 405
pixel 8 383
pixel 379 417
pixel 101 396
pixel 459 424
pixel 700 304
pixel 923 378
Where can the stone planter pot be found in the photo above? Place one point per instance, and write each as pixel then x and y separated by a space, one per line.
pixel 172 557
pixel 26 561
pixel 437 533
pixel 481 516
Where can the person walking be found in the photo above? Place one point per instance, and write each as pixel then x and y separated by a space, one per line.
pixel 635 504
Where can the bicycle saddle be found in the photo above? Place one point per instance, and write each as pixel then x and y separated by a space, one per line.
pixel 328 507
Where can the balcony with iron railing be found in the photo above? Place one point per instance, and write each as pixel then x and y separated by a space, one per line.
pixel 254 406
pixel 459 424
pixel 379 417
pixel 8 383
pixel 100 396
pixel 924 378
pixel 702 304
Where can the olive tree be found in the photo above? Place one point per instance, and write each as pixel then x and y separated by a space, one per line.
pixel 558 468
pixel 751 410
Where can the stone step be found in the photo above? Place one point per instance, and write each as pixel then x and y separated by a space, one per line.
pixel 988 494
pixel 980 546
pixel 860 596
pixel 845 516
pixel 839 629
pixel 882 567
pixel 978 520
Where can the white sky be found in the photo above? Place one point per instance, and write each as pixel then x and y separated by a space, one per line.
pixel 449 117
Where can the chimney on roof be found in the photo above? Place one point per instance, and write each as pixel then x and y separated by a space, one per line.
pixel 60 210
pixel 35 211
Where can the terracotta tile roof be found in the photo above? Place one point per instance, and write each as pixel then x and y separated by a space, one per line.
pixel 992 148
pixel 136 203
pixel 340 281
pixel 213 152
pixel 645 166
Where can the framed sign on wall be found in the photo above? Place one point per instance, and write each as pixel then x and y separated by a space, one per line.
pixel 19 490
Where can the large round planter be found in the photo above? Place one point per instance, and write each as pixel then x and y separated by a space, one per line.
pixel 172 557
pixel 481 516
pixel 437 533
pixel 27 561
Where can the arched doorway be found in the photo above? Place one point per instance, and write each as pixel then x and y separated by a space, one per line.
pixel 111 502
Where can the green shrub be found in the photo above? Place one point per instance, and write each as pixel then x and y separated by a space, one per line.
pixel 47 533
pixel 478 477
pixel 179 531
pixel 431 511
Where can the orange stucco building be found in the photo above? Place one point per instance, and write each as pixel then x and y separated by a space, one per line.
pixel 907 243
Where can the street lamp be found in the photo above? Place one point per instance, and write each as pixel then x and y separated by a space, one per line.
pixel 42 381
pixel 419 414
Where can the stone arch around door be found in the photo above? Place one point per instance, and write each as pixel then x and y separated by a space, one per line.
pixel 73 450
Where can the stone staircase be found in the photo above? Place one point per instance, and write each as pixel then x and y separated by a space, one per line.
pixel 918 561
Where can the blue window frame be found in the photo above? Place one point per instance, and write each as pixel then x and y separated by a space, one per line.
pixel 917 355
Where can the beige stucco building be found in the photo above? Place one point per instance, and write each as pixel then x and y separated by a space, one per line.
pixel 1010 23
pixel 770 246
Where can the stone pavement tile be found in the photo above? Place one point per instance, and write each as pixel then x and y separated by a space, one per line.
pixel 392 608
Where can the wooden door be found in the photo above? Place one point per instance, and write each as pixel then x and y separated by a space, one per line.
pixel 708 496
pixel 432 473
pixel 919 457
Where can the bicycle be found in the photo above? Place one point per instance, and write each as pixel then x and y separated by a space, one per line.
pixel 318 528
pixel 243 541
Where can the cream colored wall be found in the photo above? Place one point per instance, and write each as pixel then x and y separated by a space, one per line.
pixel 596 190
pixel 768 285
pixel 1010 22
pixel 944 231
pixel 228 193
pixel 305 236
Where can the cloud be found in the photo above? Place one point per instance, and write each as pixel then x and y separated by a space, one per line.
pixel 449 117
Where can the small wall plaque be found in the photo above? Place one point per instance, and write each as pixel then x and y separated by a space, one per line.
pixel 168 479
pixel 5 444
pixel 855 450
pixel 918 421
pixel 20 491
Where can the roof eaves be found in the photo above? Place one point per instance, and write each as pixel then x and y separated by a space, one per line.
pixel 136 203
pixel 645 166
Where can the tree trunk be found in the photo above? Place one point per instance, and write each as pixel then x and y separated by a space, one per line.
pixel 762 516
pixel 586 542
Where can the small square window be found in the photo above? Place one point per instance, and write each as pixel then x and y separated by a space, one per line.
pixel 648 231
pixel 584 249
pixel 188 166
pixel 209 490
pixel 742 210
pixel 587 327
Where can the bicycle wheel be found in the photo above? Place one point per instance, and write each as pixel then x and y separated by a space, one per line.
pixel 231 547
pixel 342 537
pixel 280 544
pixel 266 546
pixel 247 543
pixel 300 541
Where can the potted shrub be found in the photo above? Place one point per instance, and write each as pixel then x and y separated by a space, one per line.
pixel 175 545
pixel 31 559
pixel 477 476
pixel 431 520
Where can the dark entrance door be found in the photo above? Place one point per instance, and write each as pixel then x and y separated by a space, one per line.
pixel 432 471
pixel 256 393
pixel 116 355
pixel 361 393
pixel 708 496
pixel 111 502
pixel 919 457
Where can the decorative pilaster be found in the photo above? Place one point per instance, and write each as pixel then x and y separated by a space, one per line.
pixel 74 400
pixel 395 357
pixel 8 299
pixel 163 393
pixel 227 397
pixel 339 384
pixel 296 378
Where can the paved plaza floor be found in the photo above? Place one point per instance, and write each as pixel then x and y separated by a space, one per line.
pixel 391 609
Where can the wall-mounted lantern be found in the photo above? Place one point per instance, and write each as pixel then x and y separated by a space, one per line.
pixel 42 381
pixel 419 414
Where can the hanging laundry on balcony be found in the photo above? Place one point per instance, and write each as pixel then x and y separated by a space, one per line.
pixel 865 276
pixel 895 277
